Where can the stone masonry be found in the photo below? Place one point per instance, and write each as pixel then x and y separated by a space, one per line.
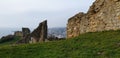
pixel 26 36
pixel 40 33
pixel 102 15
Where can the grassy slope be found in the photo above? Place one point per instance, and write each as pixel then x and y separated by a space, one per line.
pixel 90 45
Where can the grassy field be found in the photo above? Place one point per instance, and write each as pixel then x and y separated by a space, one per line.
pixel 90 45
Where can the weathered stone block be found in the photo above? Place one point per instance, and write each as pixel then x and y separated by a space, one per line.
pixel 40 33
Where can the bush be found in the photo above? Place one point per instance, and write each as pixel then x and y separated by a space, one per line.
pixel 6 38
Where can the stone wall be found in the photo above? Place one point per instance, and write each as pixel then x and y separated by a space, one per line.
pixel 18 33
pixel 37 35
pixel 40 33
pixel 25 38
pixel 102 15
pixel 25 31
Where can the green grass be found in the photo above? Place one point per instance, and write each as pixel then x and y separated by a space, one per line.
pixel 90 45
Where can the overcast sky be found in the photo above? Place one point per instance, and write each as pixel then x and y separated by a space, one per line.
pixel 29 13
